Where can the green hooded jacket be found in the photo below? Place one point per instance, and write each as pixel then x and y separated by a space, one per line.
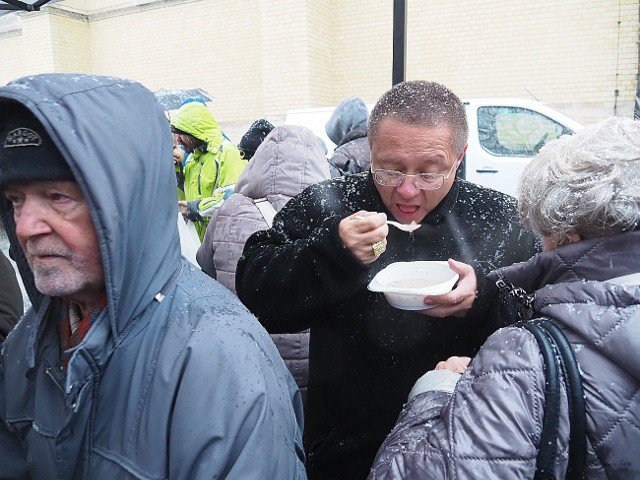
pixel 212 169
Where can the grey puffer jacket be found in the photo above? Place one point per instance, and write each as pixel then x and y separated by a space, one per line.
pixel 490 427
pixel 175 379
pixel 290 159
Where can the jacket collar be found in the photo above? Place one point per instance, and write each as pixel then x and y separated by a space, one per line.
pixel 596 259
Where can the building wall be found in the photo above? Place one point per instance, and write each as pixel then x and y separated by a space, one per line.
pixel 260 58
pixel 71 43
pixel 569 53
pixel 26 47
pixel 363 48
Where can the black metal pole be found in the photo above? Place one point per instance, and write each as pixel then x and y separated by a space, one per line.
pixel 16 5
pixel 399 40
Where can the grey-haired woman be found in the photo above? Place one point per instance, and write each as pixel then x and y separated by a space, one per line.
pixel 582 195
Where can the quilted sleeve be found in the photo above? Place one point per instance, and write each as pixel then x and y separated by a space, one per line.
pixel 488 428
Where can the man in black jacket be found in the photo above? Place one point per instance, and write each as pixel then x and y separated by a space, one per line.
pixel 311 269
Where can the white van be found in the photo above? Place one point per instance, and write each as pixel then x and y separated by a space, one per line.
pixel 504 134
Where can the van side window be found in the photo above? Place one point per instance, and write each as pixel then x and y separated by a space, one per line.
pixel 516 131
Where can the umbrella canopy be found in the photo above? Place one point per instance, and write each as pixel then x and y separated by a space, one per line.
pixel 173 98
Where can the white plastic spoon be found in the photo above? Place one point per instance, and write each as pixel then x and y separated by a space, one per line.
pixel 410 227
pixel 405 227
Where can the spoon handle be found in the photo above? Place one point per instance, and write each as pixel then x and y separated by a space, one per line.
pixel 403 226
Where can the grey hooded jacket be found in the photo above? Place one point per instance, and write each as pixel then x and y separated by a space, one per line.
pixel 175 379
pixel 490 427
pixel 347 128
pixel 290 159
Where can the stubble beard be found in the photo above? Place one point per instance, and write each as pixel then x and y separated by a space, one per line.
pixel 59 282
pixel 64 277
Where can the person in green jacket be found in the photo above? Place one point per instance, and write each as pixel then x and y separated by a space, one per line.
pixel 213 167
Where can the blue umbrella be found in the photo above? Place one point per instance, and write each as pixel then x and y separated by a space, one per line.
pixel 174 98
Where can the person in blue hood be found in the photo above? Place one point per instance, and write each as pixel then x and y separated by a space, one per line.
pixel 130 363
pixel 347 128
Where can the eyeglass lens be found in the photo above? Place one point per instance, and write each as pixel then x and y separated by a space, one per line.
pixel 424 181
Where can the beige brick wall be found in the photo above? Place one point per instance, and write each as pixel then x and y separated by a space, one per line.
pixel 71 44
pixel 363 49
pixel 571 54
pixel 264 57
pixel 28 50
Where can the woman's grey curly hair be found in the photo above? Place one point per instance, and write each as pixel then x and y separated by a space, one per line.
pixel 586 184
pixel 423 103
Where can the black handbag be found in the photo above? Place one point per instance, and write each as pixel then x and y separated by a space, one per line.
pixel 559 359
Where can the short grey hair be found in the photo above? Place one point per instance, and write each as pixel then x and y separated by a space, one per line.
pixel 586 184
pixel 422 103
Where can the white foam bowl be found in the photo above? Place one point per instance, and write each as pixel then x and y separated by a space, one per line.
pixel 405 284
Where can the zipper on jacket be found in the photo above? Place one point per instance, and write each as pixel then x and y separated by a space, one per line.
pixel 54 379
pixel 215 180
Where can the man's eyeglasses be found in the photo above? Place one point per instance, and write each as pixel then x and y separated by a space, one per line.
pixel 424 181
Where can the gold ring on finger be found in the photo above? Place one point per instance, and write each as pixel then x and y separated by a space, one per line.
pixel 379 248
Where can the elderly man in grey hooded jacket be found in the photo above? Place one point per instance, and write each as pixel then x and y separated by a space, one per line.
pixel 582 194
pixel 131 363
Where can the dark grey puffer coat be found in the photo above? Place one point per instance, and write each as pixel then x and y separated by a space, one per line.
pixel 175 378
pixel 490 427
pixel 290 159
pixel 353 153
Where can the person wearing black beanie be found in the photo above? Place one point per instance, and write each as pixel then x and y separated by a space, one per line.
pixel 252 139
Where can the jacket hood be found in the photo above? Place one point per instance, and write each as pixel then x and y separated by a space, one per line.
pixel 195 119
pixel 349 114
pixel 570 286
pixel 116 139
pixel 290 159
pixel 355 134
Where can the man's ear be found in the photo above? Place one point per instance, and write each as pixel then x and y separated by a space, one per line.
pixel 464 150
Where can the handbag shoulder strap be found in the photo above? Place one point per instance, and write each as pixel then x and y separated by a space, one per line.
pixel 559 359
pixel 549 435
pixel 575 397
pixel 266 209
